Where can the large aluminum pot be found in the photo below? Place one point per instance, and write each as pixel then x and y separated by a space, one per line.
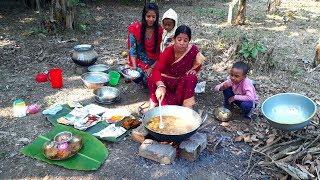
pixel 172 110
pixel 289 111
pixel 84 55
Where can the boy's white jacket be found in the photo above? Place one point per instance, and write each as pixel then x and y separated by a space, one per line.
pixel 170 14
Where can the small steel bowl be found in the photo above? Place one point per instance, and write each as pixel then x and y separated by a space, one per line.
pixel 63 137
pixel 130 73
pixel 222 114
pixel 99 68
pixel 106 94
pixel 94 80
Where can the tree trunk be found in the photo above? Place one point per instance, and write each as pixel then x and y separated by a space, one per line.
pixel 38 6
pixel 69 19
pixel 62 12
pixel 230 12
pixel 52 10
pixel 240 18
pixel 317 56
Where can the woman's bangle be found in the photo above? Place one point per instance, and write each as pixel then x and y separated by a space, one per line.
pixel 161 85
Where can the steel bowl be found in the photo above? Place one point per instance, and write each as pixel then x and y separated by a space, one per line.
pixel 289 111
pixel 130 73
pixel 106 94
pixel 94 80
pixel 99 68
pixel 222 114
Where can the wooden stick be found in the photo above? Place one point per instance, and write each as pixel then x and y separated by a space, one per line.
pixel 283 145
pixel 269 146
pixel 274 145
pixel 249 162
pixel 284 152
pixel 305 149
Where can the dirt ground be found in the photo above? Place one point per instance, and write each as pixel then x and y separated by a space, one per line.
pixel 25 51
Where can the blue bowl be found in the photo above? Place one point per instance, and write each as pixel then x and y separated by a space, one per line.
pixel 289 111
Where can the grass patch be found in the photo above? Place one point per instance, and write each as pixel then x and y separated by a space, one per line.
pixel 296 72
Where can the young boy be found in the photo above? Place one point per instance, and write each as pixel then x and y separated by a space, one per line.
pixel 169 24
pixel 238 89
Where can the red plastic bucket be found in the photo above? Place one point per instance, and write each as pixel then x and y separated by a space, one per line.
pixel 55 77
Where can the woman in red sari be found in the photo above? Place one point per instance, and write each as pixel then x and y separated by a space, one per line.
pixel 174 76
pixel 144 40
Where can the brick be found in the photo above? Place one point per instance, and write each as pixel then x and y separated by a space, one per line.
pixel 201 139
pixel 191 148
pixel 162 153
pixel 138 134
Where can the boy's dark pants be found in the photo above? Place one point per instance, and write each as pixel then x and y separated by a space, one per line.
pixel 246 106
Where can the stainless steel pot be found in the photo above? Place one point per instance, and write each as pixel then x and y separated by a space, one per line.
pixel 84 55
pixel 172 110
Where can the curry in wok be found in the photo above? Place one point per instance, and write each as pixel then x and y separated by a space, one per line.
pixel 172 125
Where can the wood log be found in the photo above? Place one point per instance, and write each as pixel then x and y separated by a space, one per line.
pixel 293 171
pixel 284 152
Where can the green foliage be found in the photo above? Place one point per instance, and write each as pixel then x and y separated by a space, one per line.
pixel 37 30
pixel 73 2
pixel 84 27
pixel 295 71
pixel 83 20
pixel 250 50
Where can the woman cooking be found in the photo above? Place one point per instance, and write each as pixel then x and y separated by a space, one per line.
pixel 173 78
pixel 144 41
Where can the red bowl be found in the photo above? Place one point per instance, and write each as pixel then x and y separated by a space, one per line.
pixel 42 77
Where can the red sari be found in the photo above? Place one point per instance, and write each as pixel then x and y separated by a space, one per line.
pixel 148 55
pixel 179 86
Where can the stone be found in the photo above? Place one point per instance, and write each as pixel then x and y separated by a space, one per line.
pixel 138 134
pixel 24 140
pixel 200 138
pixel 191 148
pixel 162 153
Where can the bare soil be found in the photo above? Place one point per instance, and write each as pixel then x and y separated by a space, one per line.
pixel 25 51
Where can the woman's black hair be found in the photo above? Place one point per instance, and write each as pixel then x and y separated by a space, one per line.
pixel 242 66
pixel 183 29
pixel 148 7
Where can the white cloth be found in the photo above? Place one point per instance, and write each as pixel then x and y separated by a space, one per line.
pixel 52 110
pixel 170 14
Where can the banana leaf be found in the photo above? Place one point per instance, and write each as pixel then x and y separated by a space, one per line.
pixel 90 157
pixel 96 128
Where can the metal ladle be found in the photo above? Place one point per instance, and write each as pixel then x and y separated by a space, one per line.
pixel 161 124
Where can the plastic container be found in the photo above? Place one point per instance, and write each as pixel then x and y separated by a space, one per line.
pixel 19 108
pixel 114 77
pixel 41 77
pixel 55 77
pixel 33 108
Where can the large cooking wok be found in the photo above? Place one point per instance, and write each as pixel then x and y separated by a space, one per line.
pixel 184 113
